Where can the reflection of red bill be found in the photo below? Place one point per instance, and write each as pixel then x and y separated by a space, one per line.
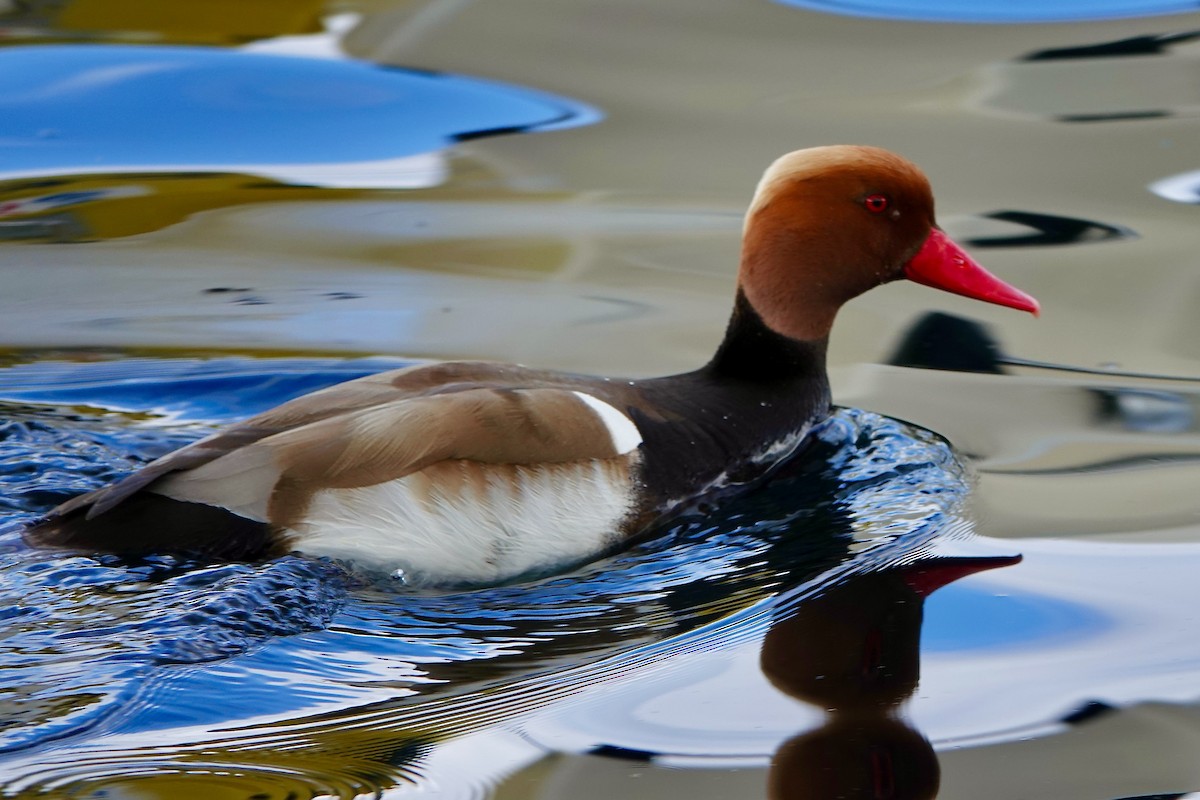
pixel 944 265
pixel 926 577
pixel 46 202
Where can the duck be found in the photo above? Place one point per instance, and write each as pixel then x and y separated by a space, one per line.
pixel 479 473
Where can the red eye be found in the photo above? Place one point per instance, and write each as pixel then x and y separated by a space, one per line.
pixel 876 203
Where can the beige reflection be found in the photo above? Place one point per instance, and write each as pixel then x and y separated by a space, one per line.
pixel 468 269
pixel 692 117
pixel 1089 87
pixel 1110 457
pixel 854 651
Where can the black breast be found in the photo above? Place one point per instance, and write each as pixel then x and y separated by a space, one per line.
pixel 760 389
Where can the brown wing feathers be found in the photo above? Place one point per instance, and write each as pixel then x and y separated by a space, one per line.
pixel 340 445
pixel 365 392
pixel 523 426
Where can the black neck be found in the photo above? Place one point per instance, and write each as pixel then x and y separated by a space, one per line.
pixel 753 352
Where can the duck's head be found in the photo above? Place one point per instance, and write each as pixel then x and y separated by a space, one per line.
pixel 828 223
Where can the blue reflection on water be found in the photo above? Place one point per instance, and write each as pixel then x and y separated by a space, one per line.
pixel 215 390
pixel 965 617
pixel 1006 11
pixel 105 108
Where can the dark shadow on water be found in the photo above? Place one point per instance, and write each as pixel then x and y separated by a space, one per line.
pixel 938 340
pixel 1149 45
pixel 1049 230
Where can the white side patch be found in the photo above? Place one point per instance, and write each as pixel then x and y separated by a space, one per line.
pixel 625 435
pixel 466 522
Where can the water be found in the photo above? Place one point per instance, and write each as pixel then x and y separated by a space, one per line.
pixel 361 124
pixel 105 651
pixel 980 585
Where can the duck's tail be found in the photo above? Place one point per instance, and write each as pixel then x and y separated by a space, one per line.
pixel 147 523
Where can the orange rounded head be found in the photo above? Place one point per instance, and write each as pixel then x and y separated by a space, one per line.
pixel 828 223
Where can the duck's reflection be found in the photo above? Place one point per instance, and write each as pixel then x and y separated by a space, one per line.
pixel 854 652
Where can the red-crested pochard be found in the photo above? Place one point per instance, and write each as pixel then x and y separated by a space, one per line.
pixel 470 472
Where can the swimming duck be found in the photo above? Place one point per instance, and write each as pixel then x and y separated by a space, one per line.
pixel 474 472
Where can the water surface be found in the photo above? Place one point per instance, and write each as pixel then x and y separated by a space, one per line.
pixel 980 584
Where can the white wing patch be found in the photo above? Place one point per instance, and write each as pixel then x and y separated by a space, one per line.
pixel 625 435
pixel 465 522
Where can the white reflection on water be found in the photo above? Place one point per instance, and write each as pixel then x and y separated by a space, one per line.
pixel 1182 188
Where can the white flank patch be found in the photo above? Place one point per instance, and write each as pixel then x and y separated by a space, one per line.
pixel 625 435
pixel 509 521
